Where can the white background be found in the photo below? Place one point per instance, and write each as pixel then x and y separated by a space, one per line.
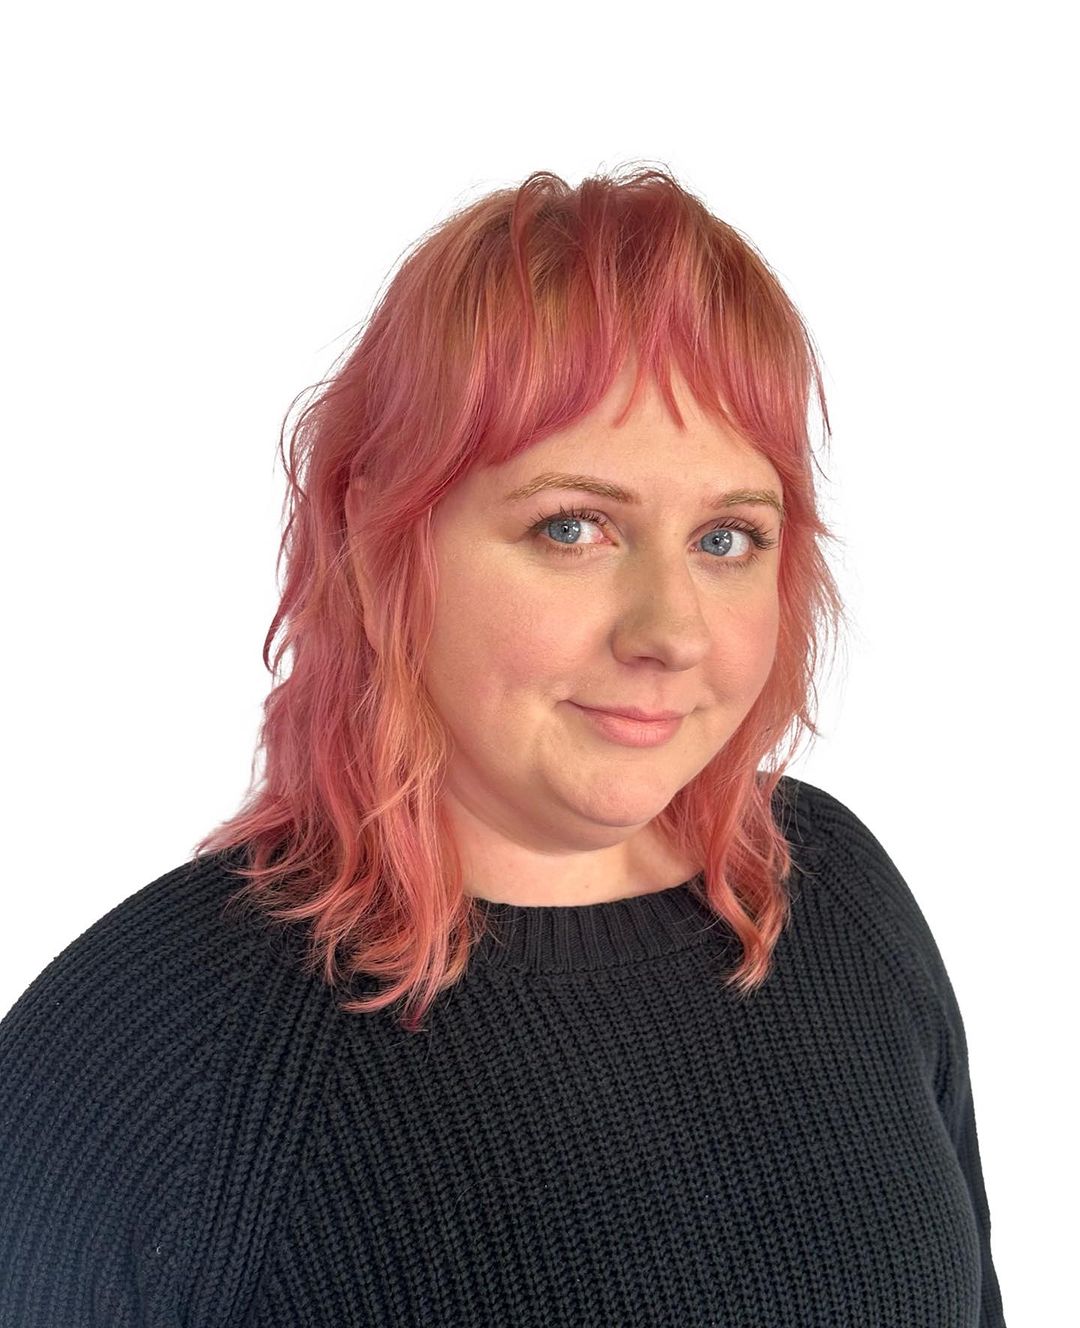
pixel 203 203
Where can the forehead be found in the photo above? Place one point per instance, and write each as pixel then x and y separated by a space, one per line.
pixel 647 451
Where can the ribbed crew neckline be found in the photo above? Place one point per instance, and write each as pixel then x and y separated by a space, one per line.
pixel 557 938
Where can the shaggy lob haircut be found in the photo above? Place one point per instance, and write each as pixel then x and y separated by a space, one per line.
pixel 505 323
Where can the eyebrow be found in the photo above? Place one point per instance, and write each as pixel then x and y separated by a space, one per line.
pixel 617 494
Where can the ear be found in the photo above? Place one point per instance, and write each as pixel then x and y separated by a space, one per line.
pixel 354 515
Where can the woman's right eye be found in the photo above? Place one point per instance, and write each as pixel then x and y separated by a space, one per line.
pixel 538 528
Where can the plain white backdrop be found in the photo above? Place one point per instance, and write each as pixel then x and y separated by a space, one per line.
pixel 203 204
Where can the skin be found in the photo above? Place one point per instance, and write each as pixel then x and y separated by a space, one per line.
pixel 545 810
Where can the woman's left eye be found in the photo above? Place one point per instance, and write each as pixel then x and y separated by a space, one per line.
pixel 757 537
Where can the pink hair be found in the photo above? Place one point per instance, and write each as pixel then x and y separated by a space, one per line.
pixel 507 322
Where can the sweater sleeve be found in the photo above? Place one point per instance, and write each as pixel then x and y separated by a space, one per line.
pixel 889 908
pixel 105 1071
pixel 960 1119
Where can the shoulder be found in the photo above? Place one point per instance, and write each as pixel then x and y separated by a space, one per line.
pixel 168 929
pixel 845 868
pixel 130 1010
pixel 850 896
pixel 107 1074
pixel 127 1066
pixel 158 980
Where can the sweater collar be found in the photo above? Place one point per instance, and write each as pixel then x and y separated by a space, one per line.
pixel 557 938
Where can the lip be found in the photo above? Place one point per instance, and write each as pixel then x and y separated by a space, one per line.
pixel 630 732
pixel 632 712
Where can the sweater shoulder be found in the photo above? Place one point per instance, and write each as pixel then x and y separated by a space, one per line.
pixel 143 1080
pixel 113 1067
pixel 132 956
pixel 131 1009
pixel 845 864
pixel 149 999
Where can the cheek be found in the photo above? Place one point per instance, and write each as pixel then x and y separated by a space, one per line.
pixel 490 638
pixel 744 648
pixel 763 629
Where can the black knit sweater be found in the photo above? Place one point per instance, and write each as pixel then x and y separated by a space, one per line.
pixel 593 1130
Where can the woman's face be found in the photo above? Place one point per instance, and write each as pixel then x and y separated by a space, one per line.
pixel 654 612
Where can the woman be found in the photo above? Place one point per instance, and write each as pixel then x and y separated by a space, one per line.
pixel 492 1005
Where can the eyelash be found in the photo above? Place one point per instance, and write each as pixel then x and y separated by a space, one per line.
pixel 758 537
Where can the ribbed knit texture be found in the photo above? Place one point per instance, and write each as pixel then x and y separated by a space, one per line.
pixel 592 1132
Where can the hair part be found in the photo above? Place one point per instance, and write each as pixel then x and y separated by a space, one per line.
pixel 505 323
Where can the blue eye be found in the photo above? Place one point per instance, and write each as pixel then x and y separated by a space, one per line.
pixel 572 515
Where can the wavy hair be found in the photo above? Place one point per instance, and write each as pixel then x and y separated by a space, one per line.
pixel 505 323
